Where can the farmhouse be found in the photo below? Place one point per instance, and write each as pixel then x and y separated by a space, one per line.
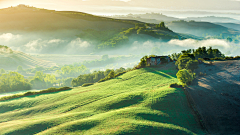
pixel 157 60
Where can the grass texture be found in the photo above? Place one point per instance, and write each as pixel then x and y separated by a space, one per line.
pixel 137 102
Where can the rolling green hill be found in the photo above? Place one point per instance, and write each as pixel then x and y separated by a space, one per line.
pixel 25 18
pixel 137 102
pixel 101 31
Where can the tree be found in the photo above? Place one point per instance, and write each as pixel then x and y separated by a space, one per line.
pixel 2 71
pixel 67 82
pixel 182 61
pixel 143 61
pixel 13 81
pixel 37 83
pixel 192 65
pixel 184 77
pixel 106 73
pixel 161 25
pixel 40 75
pixel 50 80
pixel 20 69
pixel 210 52
pixel 111 74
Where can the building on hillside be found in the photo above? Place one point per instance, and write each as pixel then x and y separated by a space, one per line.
pixel 157 60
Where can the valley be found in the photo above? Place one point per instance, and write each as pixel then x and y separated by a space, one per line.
pixel 65 72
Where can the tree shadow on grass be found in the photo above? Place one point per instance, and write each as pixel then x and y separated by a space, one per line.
pixel 124 103
pixel 36 128
pixel 164 73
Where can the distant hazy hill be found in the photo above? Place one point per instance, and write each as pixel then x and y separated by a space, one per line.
pixel 214 19
pixel 10 59
pixel 230 25
pixel 200 28
pixel 148 17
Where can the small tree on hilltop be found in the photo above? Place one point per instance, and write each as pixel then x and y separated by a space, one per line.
pixel 184 77
pixel 111 74
pixel 143 62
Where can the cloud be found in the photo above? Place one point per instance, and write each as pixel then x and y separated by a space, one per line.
pixel 9 36
pixel 34 46
pixel 197 43
pixel 78 43
pixel 55 41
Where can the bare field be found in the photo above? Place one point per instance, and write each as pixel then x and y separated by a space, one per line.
pixel 217 97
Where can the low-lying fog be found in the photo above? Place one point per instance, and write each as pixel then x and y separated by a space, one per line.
pixel 77 46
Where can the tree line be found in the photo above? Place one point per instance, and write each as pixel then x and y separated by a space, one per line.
pixel 97 76
pixel 188 61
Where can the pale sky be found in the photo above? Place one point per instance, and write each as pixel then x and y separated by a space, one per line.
pixel 91 5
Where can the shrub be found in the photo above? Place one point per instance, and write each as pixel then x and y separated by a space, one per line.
pixel 228 58
pixel 87 84
pixel 237 57
pixel 104 79
pixel 184 77
pixel 121 73
pixel 49 90
pixel 217 58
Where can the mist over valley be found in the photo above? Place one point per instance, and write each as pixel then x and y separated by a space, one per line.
pixel 128 68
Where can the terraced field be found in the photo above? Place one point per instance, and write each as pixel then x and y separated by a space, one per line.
pixel 138 102
pixel 11 61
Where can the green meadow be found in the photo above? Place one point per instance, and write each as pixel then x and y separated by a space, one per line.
pixel 137 102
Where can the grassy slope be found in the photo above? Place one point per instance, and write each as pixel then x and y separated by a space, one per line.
pixel 34 19
pixel 138 102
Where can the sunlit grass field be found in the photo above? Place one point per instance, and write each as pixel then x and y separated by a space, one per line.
pixel 138 102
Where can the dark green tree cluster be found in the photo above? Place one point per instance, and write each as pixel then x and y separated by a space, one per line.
pixel 162 26
pixel 203 52
pixel 96 76
pixel 42 81
pixel 13 81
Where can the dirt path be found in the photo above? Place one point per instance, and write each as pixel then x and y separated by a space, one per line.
pixel 217 97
